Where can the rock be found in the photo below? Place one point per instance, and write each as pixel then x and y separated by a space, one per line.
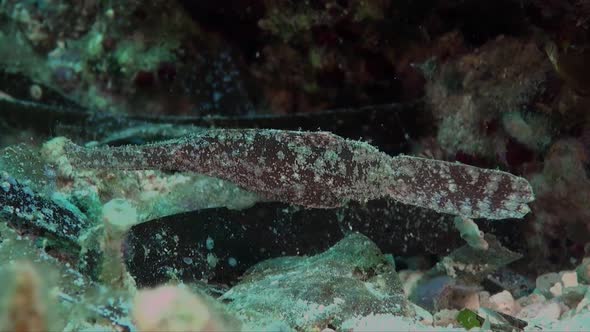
pixel 279 326
pixel 423 316
pixel 573 295
pixel 556 290
pixel 472 266
pixel 410 280
pixel 533 298
pixel 484 299
pixel 569 279
pixel 351 279
pixel 428 292
pixel 582 305
pixel 550 311
pixel 446 317
pixel 171 308
pixel 471 301
pixel 530 311
pixel 504 303
pixel 456 296
pixel 545 282
pixel 583 271
pixel 461 95
pixel 545 311
pixel 386 323
pixel 576 323
pixel 506 279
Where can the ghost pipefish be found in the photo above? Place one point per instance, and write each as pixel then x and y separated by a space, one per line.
pixel 321 170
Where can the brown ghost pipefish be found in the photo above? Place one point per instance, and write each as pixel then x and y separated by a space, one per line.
pixel 322 170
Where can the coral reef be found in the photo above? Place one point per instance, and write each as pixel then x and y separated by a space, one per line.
pixel 330 165
pixel 483 93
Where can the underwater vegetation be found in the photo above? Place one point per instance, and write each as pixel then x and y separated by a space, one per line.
pixel 325 165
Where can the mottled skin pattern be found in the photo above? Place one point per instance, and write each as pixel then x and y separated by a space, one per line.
pixel 322 170
pixel 460 189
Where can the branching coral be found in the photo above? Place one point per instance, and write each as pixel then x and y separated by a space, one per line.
pixel 322 170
